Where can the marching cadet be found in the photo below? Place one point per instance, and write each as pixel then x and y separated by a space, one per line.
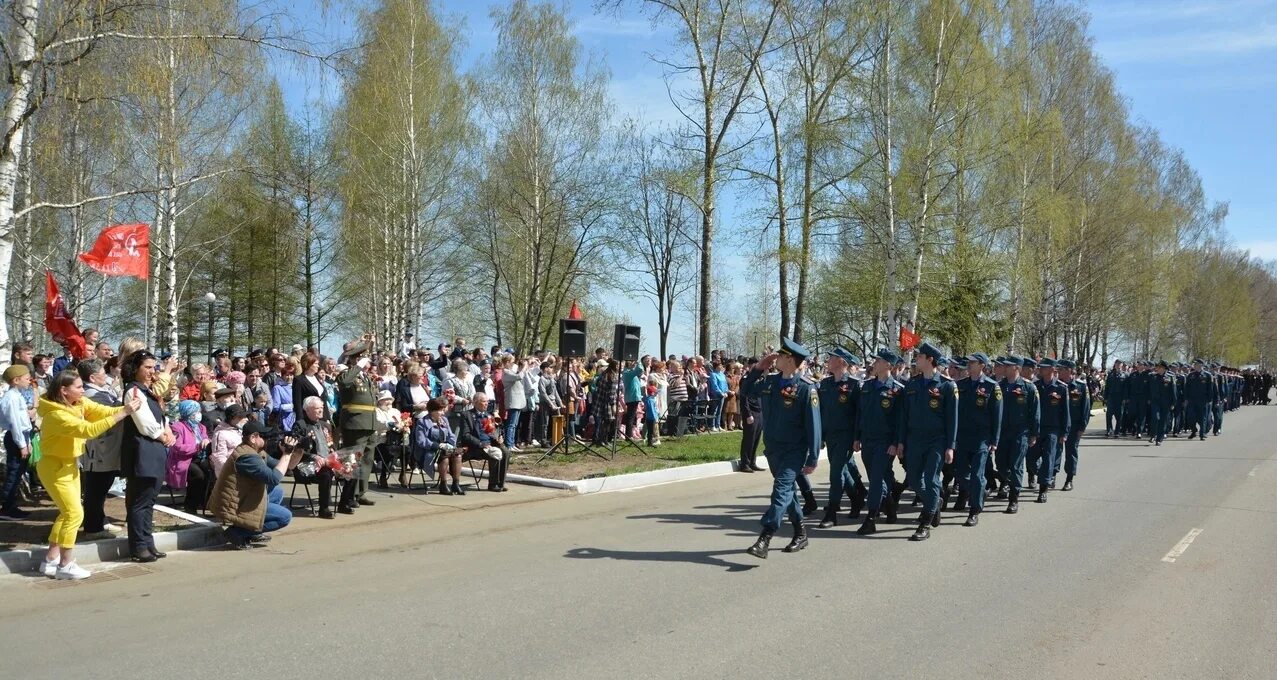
pixel 1221 397
pixel 1197 394
pixel 1162 397
pixel 979 425
pixel 926 434
pixel 839 403
pixel 791 436
pixel 1137 399
pixel 879 398
pixel 1053 398
pixel 1114 396
pixel 1080 418
pixel 1020 423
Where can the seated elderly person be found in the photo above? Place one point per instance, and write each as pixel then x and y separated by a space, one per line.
pixel 248 496
pixel 433 440
pixel 477 435
pixel 314 435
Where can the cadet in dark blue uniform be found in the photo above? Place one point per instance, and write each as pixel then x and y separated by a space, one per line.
pixel 926 434
pixel 1137 399
pixel 1162 398
pixel 979 426
pixel 1080 417
pixel 1020 422
pixel 879 397
pixel 1221 398
pixel 1053 398
pixel 791 436
pixel 839 403
pixel 1114 395
pixel 1197 392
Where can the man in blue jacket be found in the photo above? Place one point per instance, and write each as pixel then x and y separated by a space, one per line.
pixel 926 434
pixel 979 426
pixel 1079 418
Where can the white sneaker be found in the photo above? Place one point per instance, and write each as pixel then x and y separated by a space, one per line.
pixel 72 572
pixel 534 443
pixel 49 569
pixel 111 528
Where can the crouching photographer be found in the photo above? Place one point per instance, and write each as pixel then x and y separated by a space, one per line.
pixel 248 496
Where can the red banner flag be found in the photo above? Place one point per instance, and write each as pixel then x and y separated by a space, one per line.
pixel 908 339
pixel 121 250
pixel 59 322
pixel 575 312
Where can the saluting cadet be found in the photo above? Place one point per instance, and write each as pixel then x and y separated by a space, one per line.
pixel 879 399
pixel 1114 396
pixel 1161 396
pixel 926 434
pixel 791 436
pixel 1021 419
pixel 1054 400
pixel 979 426
pixel 839 403
pixel 1080 418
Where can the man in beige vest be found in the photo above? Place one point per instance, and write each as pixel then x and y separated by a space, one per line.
pixel 247 496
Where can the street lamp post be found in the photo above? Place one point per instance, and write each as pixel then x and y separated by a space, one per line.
pixel 211 298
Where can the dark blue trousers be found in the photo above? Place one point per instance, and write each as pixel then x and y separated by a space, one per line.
pixel 786 467
pixel 878 465
pixel 971 461
pixel 923 460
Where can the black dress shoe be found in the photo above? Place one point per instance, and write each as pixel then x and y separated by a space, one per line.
pixel 1051 485
pixel 146 556
pixel 1002 494
pixel 755 467
pixel 1042 495
pixel 159 555
pixel 923 532
pixel 810 506
pixel 972 520
pixel 325 514
pixel 345 510
pixel 870 525
pixel 1068 485
pixel 759 549
pixel 935 519
pixel 799 541
pixel 831 518
pixel 744 467
pixel 859 494
pixel 366 501
pixel 1014 506
pixel 502 488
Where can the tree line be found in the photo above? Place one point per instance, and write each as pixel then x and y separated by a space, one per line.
pixel 964 168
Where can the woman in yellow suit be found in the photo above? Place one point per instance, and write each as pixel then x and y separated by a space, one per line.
pixel 68 420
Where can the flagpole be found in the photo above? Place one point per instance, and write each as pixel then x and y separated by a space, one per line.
pixel 146 315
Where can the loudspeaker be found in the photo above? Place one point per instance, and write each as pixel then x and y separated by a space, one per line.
pixel 571 337
pixel 625 343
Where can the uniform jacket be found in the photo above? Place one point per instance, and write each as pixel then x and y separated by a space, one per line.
pixel 1021 412
pixel 877 413
pixel 358 398
pixel 839 406
pixel 1053 399
pixel 929 412
pixel 791 413
pixel 1079 403
pixel 979 412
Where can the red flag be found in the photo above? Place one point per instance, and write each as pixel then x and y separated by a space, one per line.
pixel 121 250
pixel 59 323
pixel 908 339
pixel 575 312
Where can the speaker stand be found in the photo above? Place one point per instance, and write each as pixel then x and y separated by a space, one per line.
pixel 567 442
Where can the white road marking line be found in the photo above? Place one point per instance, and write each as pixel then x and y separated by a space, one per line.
pixel 1181 546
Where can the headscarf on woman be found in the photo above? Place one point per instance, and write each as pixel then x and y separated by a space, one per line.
pixel 191 413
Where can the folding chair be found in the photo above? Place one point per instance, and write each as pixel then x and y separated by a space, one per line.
pixel 310 502
pixel 476 474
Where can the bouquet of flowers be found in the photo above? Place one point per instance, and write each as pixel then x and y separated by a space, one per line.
pixel 343 463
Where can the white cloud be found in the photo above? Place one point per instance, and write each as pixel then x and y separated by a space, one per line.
pixel 1264 250
pixel 1190 45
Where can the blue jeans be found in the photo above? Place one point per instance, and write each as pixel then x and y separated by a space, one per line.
pixel 511 426
pixel 716 412
pixel 14 467
pixel 277 516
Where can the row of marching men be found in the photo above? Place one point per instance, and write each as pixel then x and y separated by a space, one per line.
pixel 966 425
pixel 1161 399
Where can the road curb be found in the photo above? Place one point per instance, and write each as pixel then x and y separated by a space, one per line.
pixel 114 549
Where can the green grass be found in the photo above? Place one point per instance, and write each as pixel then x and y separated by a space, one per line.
pixel 704 448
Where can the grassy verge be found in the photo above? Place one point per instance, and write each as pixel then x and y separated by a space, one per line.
pixel 706 448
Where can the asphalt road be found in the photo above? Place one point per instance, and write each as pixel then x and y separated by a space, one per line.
pixel 655 583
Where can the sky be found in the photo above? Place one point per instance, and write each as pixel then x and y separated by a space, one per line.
pixel 1202 72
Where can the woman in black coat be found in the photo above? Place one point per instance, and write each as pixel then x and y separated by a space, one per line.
pixel 309 384
pixel 143 456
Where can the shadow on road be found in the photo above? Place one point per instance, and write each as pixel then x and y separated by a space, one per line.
pixel 706 557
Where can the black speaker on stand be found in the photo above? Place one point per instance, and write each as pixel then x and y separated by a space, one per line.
pixel 625 342
pixel 572 338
